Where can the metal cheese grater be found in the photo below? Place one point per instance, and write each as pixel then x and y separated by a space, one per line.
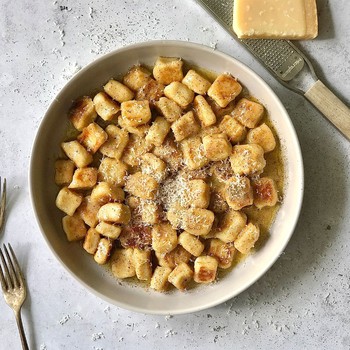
pixel 288 65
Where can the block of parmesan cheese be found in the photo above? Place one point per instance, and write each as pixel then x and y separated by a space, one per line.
pixel 275 19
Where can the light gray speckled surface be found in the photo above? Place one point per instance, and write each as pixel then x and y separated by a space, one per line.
pixel 303 302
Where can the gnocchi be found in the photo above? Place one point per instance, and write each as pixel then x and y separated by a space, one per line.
pixel 167 170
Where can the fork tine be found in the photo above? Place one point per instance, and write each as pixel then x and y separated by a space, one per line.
pixel 13 273
pixel 6 270
pixel 18 270
pixel 2 280
pixel 2 203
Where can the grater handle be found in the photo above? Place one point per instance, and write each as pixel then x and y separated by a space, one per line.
pixel 330 106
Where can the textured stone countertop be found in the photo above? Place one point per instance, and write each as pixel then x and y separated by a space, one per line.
pixel 302 302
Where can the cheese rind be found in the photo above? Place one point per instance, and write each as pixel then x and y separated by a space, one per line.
pixel 311 19
pixel 275 19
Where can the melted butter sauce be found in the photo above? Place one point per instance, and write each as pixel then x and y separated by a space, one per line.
pixel 274 169
pixel 263 217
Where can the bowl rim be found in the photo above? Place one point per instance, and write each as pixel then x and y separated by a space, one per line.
pixel 297 151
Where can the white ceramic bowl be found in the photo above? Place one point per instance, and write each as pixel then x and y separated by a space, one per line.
pixel 81 266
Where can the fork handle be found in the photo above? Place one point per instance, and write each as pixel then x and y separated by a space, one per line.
pixel 330 106
pixel 21 330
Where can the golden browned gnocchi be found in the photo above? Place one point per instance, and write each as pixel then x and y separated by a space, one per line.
pixel 174 176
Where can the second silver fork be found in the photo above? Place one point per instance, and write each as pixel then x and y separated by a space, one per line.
pixel 13 287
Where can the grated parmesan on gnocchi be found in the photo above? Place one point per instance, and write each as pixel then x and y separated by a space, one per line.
pixel 173 176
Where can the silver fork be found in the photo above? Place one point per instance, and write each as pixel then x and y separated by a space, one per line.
pixel 2 203
pixel 13 286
